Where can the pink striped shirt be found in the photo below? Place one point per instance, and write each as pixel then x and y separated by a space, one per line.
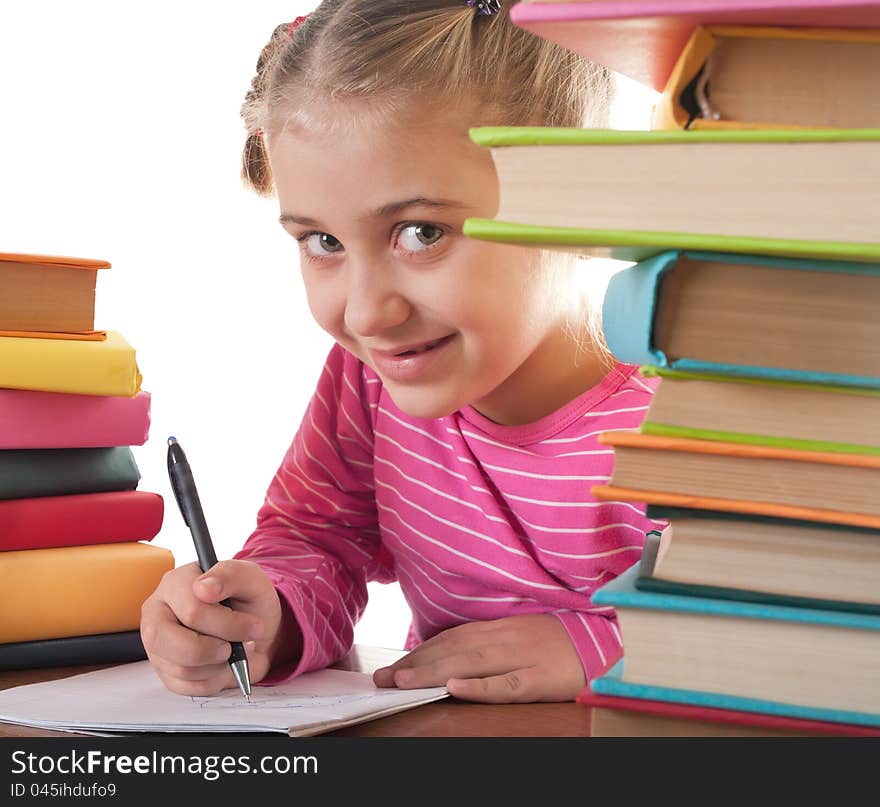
pixel 475 520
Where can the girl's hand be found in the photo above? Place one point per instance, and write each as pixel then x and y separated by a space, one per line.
pixel 186 632
pixel 518 659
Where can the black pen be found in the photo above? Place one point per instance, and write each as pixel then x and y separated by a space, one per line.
pixel 187 496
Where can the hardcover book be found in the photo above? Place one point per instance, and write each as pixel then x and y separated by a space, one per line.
pixel 629 195
pixel 89 518
pixel 101 648
pixel 48 293
pixel 704 553
pixel 744 478
pixel 632 712
pixel 823 661
pixel 758 78
pixel 31 419
pixel 78 590
pixel 751 316
pixel 643 38
pixel 30 473
pixel 763 412
pixel 79 366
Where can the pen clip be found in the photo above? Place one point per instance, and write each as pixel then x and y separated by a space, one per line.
pixel 172 476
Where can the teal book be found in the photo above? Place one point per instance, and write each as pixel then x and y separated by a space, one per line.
pixel 744 316
pixel 32 473
pixel 808 193
pixel 816 659
pixel 613 684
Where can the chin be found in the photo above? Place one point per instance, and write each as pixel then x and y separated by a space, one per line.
pixel 422 404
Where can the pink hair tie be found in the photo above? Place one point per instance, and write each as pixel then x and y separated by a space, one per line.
pixel 292 26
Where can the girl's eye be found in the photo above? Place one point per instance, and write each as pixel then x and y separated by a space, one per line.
pixel 320 244
pixel 415 237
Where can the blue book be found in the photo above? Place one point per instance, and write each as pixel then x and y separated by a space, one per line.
pixel 748 316
pixel 612 683
pixel 806 658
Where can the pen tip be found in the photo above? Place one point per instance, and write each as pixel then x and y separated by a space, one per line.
pixel 172 440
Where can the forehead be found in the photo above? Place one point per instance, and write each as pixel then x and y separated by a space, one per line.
pixel 363 152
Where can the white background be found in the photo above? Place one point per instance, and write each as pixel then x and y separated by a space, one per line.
pixel 120 139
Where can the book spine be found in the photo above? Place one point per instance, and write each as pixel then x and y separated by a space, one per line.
pixel 66 471
pixel 77 591
pixel 30 419
pixel 613 686
pixel 103 648
pixel 91 518
pixel 629 307
pixel 62 365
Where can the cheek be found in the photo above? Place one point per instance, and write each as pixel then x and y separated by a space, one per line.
pixel 326 304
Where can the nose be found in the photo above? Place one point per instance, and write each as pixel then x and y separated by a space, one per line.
pixel 374 303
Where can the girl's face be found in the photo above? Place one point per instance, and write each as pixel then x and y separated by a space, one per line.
pixel 443 319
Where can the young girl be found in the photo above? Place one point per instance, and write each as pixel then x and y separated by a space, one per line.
pixel 451 443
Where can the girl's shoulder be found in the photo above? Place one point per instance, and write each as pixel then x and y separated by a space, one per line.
pixel 621 400
pixel 631 379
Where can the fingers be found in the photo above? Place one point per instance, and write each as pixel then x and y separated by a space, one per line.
pixel 187 632
pixel 211 618
pixel 467 642
pixel 243 582
pixel 164 637
pixel 429 669
pixel 519 686
pixel 512 660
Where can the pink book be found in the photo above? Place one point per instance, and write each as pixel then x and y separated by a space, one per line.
pixel 642 39
pixel 30 419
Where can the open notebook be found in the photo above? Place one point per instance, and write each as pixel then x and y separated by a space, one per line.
pixel 131 698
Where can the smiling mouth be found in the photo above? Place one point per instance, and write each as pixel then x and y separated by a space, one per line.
pixel 427 346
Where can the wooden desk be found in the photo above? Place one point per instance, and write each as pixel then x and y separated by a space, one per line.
pixel 446 718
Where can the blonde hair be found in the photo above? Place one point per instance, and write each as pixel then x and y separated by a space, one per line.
pixel 393 51
pixel 397 52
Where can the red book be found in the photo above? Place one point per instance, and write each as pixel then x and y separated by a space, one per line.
pixel 88 518
pixel 615 716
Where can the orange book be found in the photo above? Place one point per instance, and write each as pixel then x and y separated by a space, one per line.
pixel 77 590
pixel 743 478
pixel 46 296
pixel 755 77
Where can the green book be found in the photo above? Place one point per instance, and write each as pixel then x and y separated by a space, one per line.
pixel 809 193
pixel 648 580
pixel 101 648
pixel 763 411
pixel 30 473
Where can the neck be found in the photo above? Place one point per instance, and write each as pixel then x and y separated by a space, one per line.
pixel 561 368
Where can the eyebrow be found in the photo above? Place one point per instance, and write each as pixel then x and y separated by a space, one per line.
pixel 381 212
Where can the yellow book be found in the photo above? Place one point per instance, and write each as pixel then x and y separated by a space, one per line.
pixel 77 590
pixel 753 77
pixel 65 365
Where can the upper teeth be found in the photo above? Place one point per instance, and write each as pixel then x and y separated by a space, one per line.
pixel 421 349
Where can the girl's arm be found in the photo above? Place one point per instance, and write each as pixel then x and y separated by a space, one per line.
pixel 317 536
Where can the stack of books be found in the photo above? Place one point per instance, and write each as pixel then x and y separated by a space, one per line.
pixel 750 216
pixel 74 530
